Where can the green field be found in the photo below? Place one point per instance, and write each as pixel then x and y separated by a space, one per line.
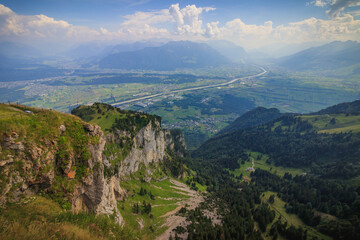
pixel 279 207
pixel 334 123
pixel 260 163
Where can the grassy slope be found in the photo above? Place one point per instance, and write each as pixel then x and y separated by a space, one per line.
pixel 262 164
pixel 279 207
pixel 41 128
pixel 39 125
pixel 166 199
pixel 41 218
pixel 342 123
pixel 106 115
pixel 106 120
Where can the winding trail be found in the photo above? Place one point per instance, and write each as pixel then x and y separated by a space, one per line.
pixel 190 89
pixel 173 220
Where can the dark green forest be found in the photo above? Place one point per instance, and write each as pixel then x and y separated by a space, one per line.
pixel 331 160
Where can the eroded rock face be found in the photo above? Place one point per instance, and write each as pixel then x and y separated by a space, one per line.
pixel 149 146
pixel 97 194
pixel 94 193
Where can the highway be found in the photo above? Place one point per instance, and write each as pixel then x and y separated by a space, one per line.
pixel 190 89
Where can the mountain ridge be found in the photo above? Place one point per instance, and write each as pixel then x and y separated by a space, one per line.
pixel 173 55
pixel 334 55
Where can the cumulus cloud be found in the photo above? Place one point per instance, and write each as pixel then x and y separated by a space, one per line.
pixel 336 7
pixel 308 30
pixel 188 19
pixel 185 23
pixel 39 27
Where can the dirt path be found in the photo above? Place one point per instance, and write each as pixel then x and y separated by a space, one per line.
pixel 172 221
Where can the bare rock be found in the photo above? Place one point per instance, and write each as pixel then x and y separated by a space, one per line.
pixel 62 128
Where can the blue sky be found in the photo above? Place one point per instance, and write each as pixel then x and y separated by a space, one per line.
pixel 96 12
pixel 250 23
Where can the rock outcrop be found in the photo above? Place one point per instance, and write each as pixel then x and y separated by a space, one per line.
pixel 77 175
pixel 149 146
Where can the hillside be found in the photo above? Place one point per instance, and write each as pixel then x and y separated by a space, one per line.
pixel 330 56
pixel 252 118
pixel 310 162
pixel 54 165
pixel 346 108
pixel 171 56
pixel 278 177
pixel 290 140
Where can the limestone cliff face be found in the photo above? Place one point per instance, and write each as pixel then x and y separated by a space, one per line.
pixel 149 146
pixel 31 168
pixel 99 194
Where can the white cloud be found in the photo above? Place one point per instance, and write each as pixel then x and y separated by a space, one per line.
pixel 338 6
pixel 335 7
pixel 40 27
pixel 308 30
pixel 320 3
pixel 178 23
pixel 140 18
pixel 188 19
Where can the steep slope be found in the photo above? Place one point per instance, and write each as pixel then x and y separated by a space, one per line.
pixel 73 162
pixel 58 154
pixel 132 138
pixel 334 55
pixel 252 118
pixel 170 56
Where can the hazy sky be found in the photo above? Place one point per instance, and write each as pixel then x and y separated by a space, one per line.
pixel 249 23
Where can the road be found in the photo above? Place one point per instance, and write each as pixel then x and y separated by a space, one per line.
pixel 190 89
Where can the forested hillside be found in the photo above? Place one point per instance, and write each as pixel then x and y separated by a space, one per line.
pixel 305 167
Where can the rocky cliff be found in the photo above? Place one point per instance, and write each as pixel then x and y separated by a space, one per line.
pixel 74 162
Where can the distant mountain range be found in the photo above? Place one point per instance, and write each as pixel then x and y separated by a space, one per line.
pixel 171 56
pixel 230 50
pixel 334 55
pixel 18 50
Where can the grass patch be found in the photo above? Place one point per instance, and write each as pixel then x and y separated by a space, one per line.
pixel 164 199
pixel 260 162
pixel 41 218
pixel 292 219
pixel 334 123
